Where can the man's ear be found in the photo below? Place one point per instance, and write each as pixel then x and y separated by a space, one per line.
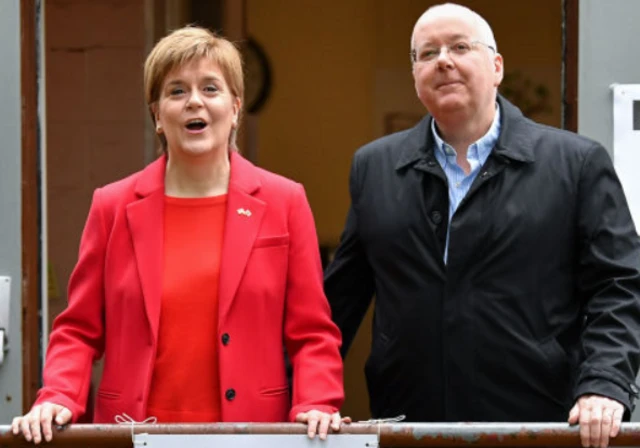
pixel 498 64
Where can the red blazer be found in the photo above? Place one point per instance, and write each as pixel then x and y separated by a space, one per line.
pixel 270 295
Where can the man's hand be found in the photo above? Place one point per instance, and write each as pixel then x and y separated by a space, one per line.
pixel 37 422
pixel 599 418
pixel 318 422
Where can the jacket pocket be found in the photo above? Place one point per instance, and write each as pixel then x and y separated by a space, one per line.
pixel 108 395
pixel 279 390
pixel 270 241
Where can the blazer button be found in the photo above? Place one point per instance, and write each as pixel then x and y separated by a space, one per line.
pixel 225 339
pixel 230 394
pixel 436 217
pixel 431 162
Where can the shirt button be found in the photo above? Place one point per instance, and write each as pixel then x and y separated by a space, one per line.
pixel 225 339
pixel 230 394
pixel 458 184
pixel 436 217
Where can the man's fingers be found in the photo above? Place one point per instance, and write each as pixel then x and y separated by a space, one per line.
pixel 617 421
pixel 607 423
pixel 585 422
pixel 595 426
pixel 574 414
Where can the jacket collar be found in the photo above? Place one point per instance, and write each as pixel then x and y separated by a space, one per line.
pixel 243 174
pixel 515 141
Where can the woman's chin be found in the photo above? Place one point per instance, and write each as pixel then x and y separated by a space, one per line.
pixel 198 150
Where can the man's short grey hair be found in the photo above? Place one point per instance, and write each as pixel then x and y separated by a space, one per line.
pixel 485 33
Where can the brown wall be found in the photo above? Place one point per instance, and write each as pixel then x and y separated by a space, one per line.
pixel 320 108
pixel 95 114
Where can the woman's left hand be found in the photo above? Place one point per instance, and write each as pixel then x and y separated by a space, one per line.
pixel 319 422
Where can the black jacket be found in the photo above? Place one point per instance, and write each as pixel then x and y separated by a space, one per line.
pixel 539 302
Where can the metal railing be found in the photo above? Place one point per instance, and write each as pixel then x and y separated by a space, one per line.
pixel 390 434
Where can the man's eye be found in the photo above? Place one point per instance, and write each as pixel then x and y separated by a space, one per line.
pixel 462 47
pixel 429 54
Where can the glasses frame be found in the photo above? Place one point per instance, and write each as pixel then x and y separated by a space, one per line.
pixel 414 55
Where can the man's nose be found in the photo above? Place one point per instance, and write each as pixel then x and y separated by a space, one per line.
pixel 444 57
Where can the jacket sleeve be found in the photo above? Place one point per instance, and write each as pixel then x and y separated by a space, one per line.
pixel 348 281
pixel 312 340
pixel 77 337
pixel 608 284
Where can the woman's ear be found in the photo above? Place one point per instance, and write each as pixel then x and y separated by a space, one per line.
pixel 237 107
pixel 155 115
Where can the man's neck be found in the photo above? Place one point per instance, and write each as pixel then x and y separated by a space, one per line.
pixel 461 132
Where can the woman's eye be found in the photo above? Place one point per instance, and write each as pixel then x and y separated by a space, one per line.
pixel 177 91
pixel 211 88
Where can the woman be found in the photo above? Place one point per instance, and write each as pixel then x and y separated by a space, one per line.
pixel 193 273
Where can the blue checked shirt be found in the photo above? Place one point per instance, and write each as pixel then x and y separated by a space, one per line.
pixel 477 154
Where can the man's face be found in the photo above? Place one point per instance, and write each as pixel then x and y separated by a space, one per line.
pixel 455 72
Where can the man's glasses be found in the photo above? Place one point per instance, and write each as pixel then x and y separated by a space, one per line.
pixel 459 49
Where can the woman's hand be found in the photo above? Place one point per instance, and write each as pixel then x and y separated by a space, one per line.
pixel 319 422
pixel 37 422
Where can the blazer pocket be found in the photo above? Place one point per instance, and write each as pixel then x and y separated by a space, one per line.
pixel 270 241
pixel 280 390
pixel 108 395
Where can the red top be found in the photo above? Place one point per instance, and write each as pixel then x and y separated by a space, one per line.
pixel 186 384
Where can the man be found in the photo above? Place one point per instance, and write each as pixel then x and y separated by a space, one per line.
pixel 501 252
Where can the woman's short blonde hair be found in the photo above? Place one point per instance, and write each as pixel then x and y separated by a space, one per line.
pixel 183 46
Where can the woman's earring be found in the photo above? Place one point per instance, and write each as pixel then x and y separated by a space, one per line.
pixel 158 128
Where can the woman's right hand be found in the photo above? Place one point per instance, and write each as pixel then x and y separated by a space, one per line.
pixel 37 422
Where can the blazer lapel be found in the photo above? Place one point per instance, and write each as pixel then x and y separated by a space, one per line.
pixel 244 216
pixel 146 224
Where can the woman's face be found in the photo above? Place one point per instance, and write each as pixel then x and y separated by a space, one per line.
pixel 196 110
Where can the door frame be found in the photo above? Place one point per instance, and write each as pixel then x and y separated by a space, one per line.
pixel 31 37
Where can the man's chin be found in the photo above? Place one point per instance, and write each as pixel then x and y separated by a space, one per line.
pixel 448 104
